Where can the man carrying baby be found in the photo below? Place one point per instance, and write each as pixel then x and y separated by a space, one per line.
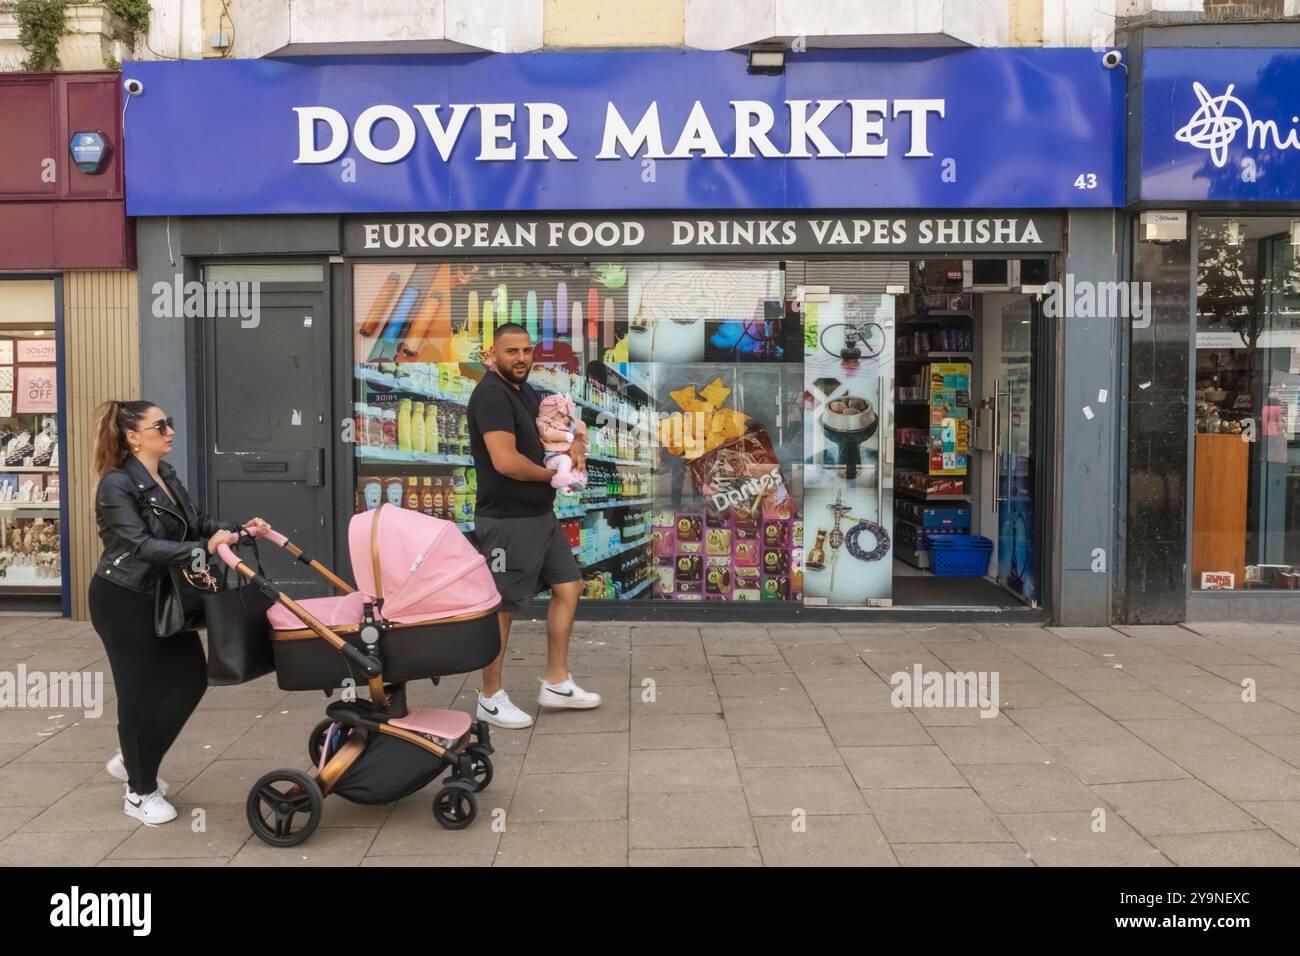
pixel 516 526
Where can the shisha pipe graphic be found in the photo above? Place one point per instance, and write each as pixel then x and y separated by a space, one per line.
pixel 849 539
pixel 855 334
pixel 839 509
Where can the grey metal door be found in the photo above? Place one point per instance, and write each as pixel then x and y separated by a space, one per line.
pixel 267 418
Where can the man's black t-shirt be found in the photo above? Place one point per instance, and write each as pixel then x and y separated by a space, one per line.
pixel 497 406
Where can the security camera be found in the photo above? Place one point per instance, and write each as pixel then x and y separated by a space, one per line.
pixel 133 87
pixel 1111 59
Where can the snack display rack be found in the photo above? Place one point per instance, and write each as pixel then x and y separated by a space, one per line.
pixel 932 436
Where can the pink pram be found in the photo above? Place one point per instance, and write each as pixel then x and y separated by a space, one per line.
pixel 425 607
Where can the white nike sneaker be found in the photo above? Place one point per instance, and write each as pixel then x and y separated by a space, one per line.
pixel 117 770
pixel 498 711
pixel 567 694
pixel 151 810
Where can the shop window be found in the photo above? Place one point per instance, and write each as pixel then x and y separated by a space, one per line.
pixel 685 374
pixel 30 546
pixel 1246 490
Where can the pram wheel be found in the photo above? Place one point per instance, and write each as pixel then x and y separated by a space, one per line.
pixel 284 807
pixel 480 774
pixel 454 807
pixel 316 742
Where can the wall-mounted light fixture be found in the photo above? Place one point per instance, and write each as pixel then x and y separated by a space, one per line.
pixel 766 60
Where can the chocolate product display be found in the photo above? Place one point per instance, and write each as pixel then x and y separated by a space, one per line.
pixel 721 557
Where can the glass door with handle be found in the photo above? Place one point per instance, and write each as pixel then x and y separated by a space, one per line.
pixel 849 450
pixel 1013 460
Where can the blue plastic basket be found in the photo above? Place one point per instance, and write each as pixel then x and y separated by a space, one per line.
pixel 960 555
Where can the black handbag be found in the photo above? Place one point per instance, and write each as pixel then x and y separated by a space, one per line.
pixel 239 635
pixel 178 599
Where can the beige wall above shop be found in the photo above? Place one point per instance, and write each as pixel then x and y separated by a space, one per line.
pixel 320 27
pixel 598 23
pixel 1025 22
pixel 726 24
pixel 27 302
pixel 189 29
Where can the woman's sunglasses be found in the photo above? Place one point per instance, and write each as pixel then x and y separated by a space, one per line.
pixel 164 425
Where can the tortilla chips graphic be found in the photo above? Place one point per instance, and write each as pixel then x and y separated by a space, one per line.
pixel 706 425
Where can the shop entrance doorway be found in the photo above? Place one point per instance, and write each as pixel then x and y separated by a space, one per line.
pixel 924 450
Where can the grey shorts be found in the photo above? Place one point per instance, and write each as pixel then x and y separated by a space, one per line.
pixel 525 555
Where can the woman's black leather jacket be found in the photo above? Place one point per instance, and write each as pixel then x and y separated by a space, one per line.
pixel 143 529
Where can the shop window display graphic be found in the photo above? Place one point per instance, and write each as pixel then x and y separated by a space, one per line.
pixel 848 449
pixel 736 532
pixel 654 356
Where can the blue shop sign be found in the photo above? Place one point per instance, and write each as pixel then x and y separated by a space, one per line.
pixel 1028 128
pixel 1221 125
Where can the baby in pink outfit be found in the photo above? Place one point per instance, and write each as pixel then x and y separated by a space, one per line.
pixel 559 425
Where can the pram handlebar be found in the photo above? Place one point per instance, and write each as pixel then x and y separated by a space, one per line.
pixel 360 660
pixel 280 541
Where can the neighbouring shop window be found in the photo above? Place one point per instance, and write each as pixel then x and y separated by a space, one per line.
pixel 684 376
pixel 31 561
pixel 1246 483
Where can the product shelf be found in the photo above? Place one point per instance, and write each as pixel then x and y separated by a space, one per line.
pixel 373 376
pixel 632 503
pixel 613 553
pixel 922 496
pixel 619 461
pixel 370 455
pixel 636 589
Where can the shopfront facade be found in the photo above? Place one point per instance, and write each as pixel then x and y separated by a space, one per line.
pixel 1213 516
pixel 68 335
pixel 806 330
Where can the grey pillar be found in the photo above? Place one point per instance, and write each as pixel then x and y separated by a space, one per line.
pixel 1089 357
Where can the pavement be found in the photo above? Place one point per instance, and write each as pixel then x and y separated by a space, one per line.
pixel 727 744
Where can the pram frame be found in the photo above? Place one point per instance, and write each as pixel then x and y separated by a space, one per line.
pixel 454 806
pixel 369 664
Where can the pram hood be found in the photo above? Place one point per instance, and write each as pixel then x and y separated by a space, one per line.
pixel 423 567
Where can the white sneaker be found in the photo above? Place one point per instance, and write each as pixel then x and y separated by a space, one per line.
pixel 117 770
pixel 151 810
pixel 498 711
pixel 567 694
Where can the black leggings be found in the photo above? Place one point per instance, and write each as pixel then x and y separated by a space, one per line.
pixel 159 680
